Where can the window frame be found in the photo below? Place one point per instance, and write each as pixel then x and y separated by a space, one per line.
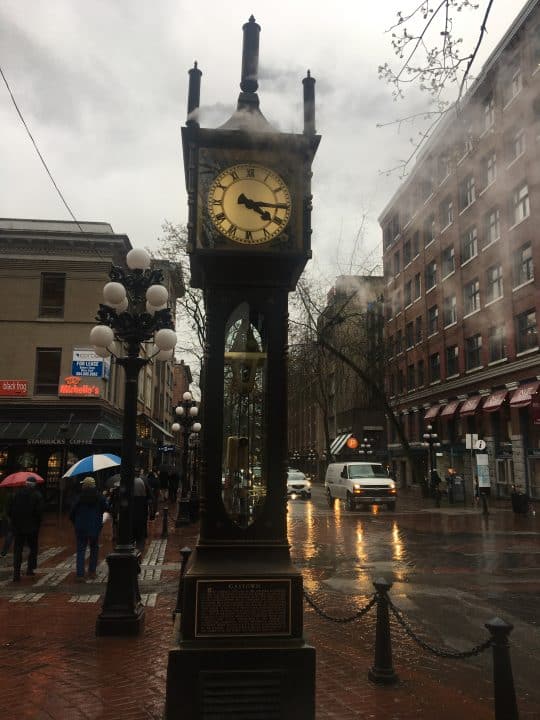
pixel 51 311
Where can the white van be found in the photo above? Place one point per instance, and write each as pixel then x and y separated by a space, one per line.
pixel 359 484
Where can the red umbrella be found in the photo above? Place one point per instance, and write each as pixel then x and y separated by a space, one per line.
pixel 20 478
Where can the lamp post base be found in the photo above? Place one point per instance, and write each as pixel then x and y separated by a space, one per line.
pixel 122 612
pixel 183 516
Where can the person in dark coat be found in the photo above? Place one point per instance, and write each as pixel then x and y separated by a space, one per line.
pixel 87 517
pixel 154 485
pixel 174 481
pixel 141 500
pixel 25 511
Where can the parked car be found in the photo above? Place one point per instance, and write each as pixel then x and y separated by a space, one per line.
pixel 298 484
pixel 360 484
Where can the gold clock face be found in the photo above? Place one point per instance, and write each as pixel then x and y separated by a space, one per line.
pixel 249 204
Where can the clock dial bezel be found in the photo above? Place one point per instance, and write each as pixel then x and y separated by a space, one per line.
pixel 249 203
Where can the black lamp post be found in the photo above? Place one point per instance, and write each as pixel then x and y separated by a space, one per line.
pixel 186 420
pixel 135 313
pixel 431 442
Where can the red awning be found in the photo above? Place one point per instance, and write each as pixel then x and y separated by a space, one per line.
pixel 470 405
pixel 450 409
pixel 494 401
pixel 432 412
pixel 522 396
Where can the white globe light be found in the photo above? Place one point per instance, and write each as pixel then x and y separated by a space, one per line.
pixel 196 427
pixel 187 396
pixel 175 427
pixel 114 293
pixel 164 355
pixel 122 307
pixel 101 335
pixel 157 295
pixel 179 410
pixel 101 351
pixel 138 259
pixel 194 411
pixel 165 339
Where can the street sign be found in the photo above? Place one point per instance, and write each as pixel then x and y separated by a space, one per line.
pixel 86 363
pixel 480 445
pixel 482 470
pixel 470 440
pixel 166 448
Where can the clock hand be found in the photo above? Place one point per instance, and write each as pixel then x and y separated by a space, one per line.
pixel 252 205
pixel 273 205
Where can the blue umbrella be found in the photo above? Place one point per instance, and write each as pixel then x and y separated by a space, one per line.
pixel 93 463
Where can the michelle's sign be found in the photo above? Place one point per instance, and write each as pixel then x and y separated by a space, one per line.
pixel 72 386
pixel 13 388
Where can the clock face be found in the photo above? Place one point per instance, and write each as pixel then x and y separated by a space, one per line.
pixel 249 204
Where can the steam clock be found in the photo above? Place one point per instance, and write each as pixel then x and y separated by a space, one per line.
pixel 239 643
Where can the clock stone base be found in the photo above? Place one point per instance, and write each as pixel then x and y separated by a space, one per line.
pixel 266 682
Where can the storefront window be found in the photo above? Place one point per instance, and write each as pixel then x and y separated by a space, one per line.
pixel 28 461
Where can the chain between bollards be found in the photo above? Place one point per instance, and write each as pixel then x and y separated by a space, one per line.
pixel 349 619
pixel 185 553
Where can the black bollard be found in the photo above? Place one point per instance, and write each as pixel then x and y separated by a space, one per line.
pixel 503 679
pixel 185 552
pixel 165 525
pixel 483 498
pixel 382 670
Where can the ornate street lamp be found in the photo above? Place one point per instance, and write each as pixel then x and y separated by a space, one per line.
pixel 311 458
pixel 365 448
pixel 431 442
pixel 134 314
pixel 186 413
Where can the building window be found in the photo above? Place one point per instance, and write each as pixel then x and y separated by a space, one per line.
pixel 420 373
pixel 51 300
pixel 443 167
pixel 416 243
pixel 520 203
pixel 410 377
pixel 448 261
pixel 408 293
pixel 492 225
pixel 471 297
pixel 431 275
pixel 489 168
pixel 392 385
pixel 469 244
pixel 515 144
pixel 433 319
pixel 497 345
pixel 526 331
pixel 397 302
pixel 418 329
pixel 473 351
pixel 450 310
pixel 400 381
pixel 513 82
pixel 452 360
pixel 494 283
pixel 397 263
pixel 417 286
pixel 390 346
pixel 399 342
pixel 47 371
pixel 407 252
pixel 489 112
pixel 409 334
pixel 467 192
pixel 434 367
pixel 429 230
pixel 446 212
pixel 523 265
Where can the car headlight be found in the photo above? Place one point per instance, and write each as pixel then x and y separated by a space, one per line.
pixel 357 487
pixel 392 485
pixel 308 484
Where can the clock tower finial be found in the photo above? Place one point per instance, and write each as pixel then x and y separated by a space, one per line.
pixel 250 57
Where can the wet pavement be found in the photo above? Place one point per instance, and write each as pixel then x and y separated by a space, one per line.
pixel 452 570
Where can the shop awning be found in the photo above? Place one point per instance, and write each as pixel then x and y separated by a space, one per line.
pixel 494 401
pixel 470 405
pixel 338 443
pixel 432 412
pixel 522 396
pixel 450 410
pixel 45 433
pixel 159 427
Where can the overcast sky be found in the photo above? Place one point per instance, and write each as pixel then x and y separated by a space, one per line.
pixel 103 88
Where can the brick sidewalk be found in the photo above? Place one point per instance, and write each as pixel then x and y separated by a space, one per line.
pixel 52 667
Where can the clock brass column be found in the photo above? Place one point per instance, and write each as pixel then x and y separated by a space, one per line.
pixel 239 649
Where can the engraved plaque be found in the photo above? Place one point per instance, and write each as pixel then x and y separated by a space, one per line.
pixel 243 607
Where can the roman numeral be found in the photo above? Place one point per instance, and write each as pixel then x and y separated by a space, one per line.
pixel 219 217
pixel 231 232
pixel 249 235
pixel 234 175
pixel 250 172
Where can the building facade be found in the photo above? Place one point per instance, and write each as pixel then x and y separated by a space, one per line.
pixel 58 400
pixel 462 277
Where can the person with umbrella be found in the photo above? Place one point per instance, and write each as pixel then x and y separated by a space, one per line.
pixel 87 517
pixel 25 511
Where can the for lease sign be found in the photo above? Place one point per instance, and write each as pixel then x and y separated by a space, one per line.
pixel 13 387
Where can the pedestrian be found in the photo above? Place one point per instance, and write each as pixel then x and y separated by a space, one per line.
pixel 174 481
pixel 141 499
pixel 476 491
pixel 5 523
pixel 25 511
pixel 164 483
pixel 153 483
pixel 87 517
pixel 435 485
pixel 450 485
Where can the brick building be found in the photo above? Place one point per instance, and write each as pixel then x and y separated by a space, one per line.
pixel 462 275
